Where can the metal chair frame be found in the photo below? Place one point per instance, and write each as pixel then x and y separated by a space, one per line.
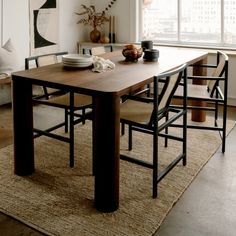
pixel 160 130
pixel 216 97
pixel 70 111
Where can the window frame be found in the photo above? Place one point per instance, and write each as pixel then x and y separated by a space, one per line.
pixel 138 32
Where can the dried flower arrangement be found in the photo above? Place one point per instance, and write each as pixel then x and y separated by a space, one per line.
pixel 93 18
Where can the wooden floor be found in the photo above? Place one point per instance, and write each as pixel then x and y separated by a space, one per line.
pixel 10 226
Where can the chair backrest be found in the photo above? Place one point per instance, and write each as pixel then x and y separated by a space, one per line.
pixel 42 60
pixel 172 79
pixel 219 71
pixel 46 60
pixel 96 51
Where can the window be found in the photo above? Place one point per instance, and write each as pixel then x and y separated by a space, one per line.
pixel 201 22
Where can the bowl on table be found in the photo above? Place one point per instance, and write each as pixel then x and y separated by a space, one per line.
pixel 132 53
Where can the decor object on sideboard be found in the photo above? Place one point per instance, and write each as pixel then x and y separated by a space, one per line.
pixel 132 53
pixel 95 20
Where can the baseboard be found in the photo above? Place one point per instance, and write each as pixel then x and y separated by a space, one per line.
pixel 232 101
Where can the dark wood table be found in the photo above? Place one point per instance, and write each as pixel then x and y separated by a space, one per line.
pixel 106 89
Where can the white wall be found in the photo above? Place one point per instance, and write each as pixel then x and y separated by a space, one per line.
pixel 70 31
pixel 16 25
pixel 121 10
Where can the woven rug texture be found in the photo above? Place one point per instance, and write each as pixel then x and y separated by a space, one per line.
pixel 59 200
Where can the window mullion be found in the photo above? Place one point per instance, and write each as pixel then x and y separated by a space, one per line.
pixel 179 19
pixel 222 22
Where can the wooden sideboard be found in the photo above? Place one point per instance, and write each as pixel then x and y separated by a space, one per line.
pixel 115 46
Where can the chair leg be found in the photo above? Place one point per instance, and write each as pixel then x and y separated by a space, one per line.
pixel 155 164
pixel 185 139
pixel 122 129
pixel 148 92
pixel 130 138
pixel 216 113
pixel 224 128
pixel 166 130
pixel 83 115
pixel 71 130
pixel 66 120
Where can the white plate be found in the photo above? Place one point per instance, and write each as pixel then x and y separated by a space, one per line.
pixel 77 58
pixel 77 65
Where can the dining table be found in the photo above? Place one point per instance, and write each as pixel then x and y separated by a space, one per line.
pixel 106 88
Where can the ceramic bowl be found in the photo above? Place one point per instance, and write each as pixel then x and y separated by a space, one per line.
pixel 132 53
pixel 151 55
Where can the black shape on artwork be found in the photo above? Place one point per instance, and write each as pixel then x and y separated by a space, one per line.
pixel 49 4
pixel 39 41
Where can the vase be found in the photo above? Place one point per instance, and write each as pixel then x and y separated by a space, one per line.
pixel 95 35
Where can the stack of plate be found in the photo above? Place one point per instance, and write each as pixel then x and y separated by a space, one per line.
pixel 77 60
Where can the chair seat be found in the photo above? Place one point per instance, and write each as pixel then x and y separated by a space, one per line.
pixel 194 91
pixel 80 100
pixel 135 111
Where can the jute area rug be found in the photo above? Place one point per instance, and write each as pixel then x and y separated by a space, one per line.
pixel 58 200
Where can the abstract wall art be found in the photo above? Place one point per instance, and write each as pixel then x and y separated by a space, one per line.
pixel 44 28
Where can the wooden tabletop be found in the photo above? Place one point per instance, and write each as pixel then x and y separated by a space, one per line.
pixel 126 77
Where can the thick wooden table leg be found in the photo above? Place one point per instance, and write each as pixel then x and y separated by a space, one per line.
pixel 199 115
pixel 106 152
pixel 23 127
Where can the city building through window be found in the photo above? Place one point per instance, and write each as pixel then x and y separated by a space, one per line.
pixel 200 22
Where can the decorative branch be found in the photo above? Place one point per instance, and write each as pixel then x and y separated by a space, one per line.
pixel 109 6
pixel 93 18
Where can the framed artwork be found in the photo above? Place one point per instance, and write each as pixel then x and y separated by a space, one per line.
pixel 44 26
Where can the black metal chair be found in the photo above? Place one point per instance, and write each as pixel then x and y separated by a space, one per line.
pixel 154 115
pixel 213 94
pixel 78 107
